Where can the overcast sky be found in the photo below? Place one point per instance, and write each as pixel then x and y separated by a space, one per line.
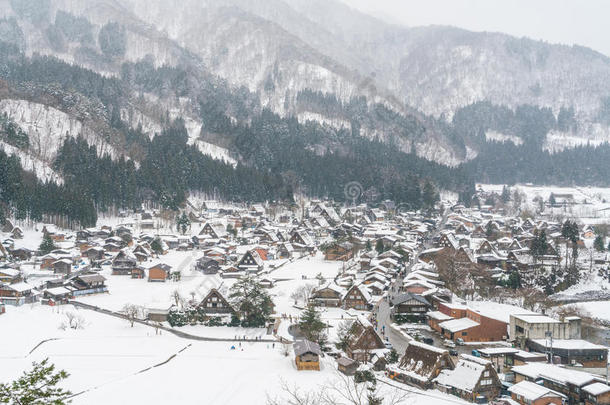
pixel 583 22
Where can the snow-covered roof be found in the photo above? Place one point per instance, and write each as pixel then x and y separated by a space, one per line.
pixel 20 287
pixel 535 318
pixel 555 373
pixel 532 391
pixel 58 290
pixel 597 388
pixel 439 316
pixel 570 344
pixel 466 374
pixel 456 325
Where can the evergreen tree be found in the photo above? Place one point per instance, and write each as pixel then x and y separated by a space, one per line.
pixel 36 387
pixel 570 233
pixel 157 246
pixel 311 325
pixel 251 301
pixel 379 246
pixel 505 197
pixel 393 356
pixel 429 195
pixel 539 244
pixel 47 245
pixel 183 223
pixel 598 243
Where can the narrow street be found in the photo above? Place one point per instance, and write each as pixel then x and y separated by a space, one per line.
pixel 398 340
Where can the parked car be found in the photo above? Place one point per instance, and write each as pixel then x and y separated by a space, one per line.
pixel 429 341
pixel 449 343
pixel 476 353
pixel 453 352
pixel 460 341
pixel 388 345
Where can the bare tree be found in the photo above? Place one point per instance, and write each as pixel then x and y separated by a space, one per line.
pixel 176 297
pixel 72 321
pixel 342 390
pixel 531 298
pixel 294 396
pixel 303 293
pixel 75 321
pixel 132 313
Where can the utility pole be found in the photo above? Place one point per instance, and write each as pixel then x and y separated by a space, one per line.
pixel 549 339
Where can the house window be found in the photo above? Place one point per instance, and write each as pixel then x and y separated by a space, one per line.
pixel 486 374
pixel 464 333
pixel 486 381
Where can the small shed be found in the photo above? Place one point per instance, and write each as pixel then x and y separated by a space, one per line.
pixel 307 355
pixel 347 366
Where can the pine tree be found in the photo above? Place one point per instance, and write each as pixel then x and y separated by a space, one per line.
pixel 311 324
pixel 552 200
pixel 37 386
pixel 393 356
pixel 47 245
pixel 251 301
pixel 379 246
pixel 183 223
pixel 505 197
pixel 598 243
pixel 156 246
pixel 429 195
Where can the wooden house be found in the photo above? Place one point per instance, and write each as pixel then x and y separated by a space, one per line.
pixel 339 251
pixel 285 250
pixel 597 393
pixel 412 307
pixel 420 365
pixel 142 252
pixel 94 253
pixel 363 342
pixel 159 272
pixel 251 262
pixel 88 284
pixel 529 393
pixel 138 272
pixel 207 265
pixel 346 365
pixel 327 296
pixel 301 240
pixel 307 355
pixel 473 379
pixel 62 266
pixel 123 263
pixel 215 231
pixel 215 303
pixel 17 233
pixel 357 297
pixel 48 260
pixel 10 276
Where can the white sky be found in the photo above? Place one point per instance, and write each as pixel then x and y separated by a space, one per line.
pixel 583 22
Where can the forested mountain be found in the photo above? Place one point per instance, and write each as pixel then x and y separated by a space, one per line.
pixel 262 99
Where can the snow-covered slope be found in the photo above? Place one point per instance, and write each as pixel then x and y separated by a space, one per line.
pixel 47 127
pixel 29 162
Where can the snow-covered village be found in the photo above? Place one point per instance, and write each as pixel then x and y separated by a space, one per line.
pixel 505 302
pixel 304 202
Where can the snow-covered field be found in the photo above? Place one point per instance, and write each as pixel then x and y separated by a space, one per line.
pixel 590 204
pixel 111 362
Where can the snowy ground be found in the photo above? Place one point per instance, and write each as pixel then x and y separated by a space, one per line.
pixel 110 362
pixel 592 204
